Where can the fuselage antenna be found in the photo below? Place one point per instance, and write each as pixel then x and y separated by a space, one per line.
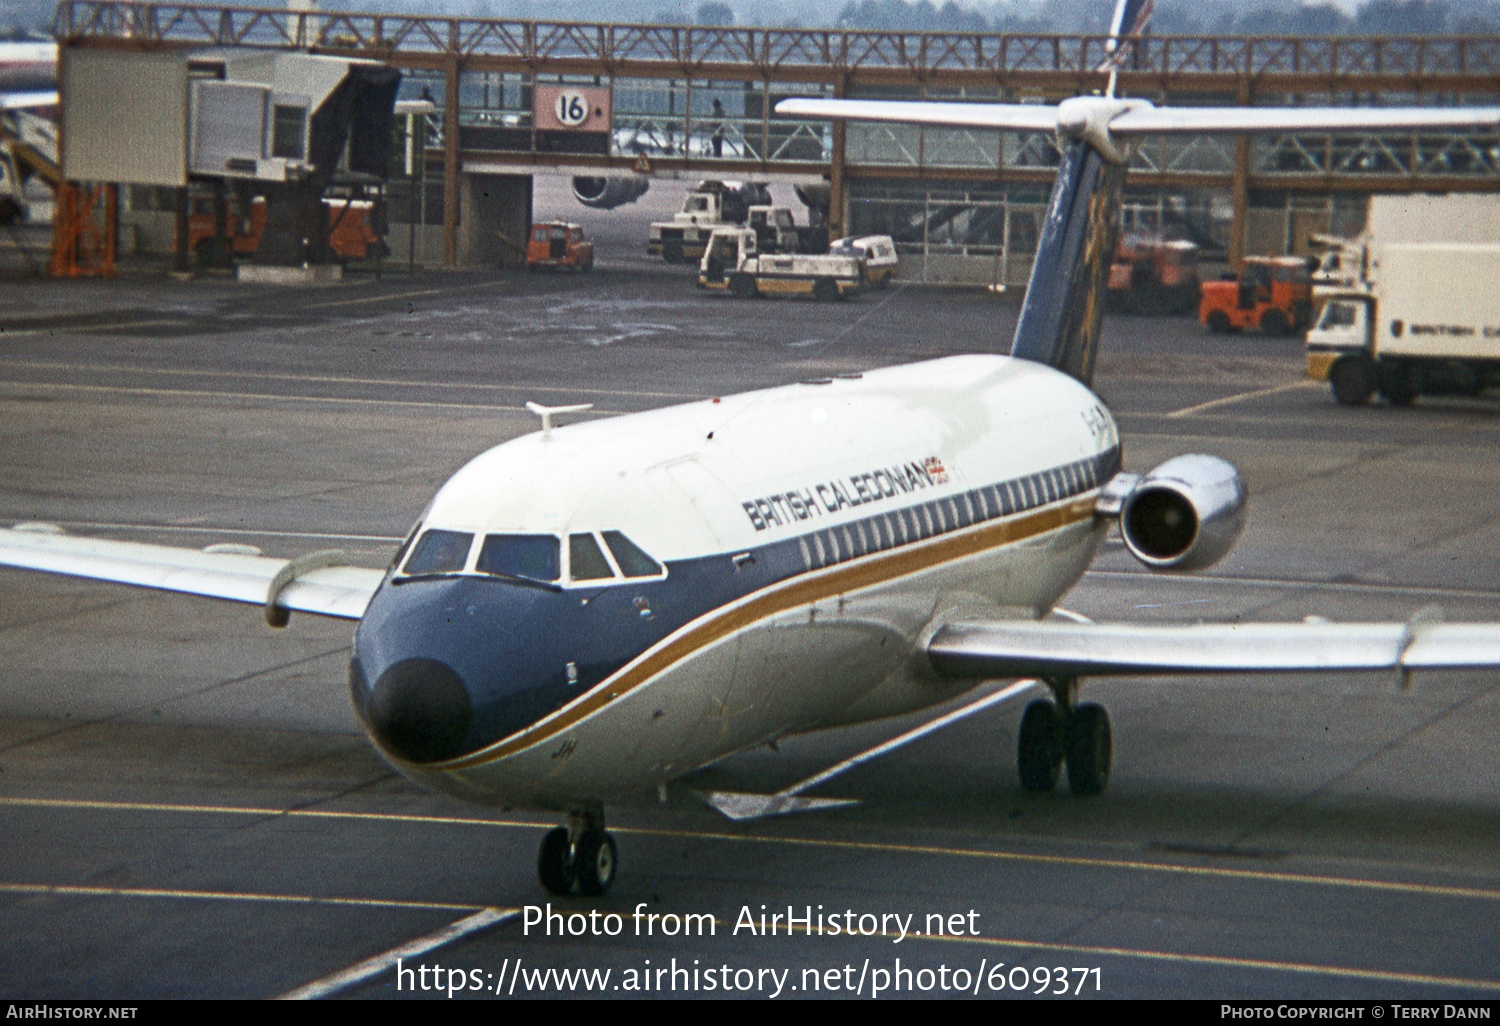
pixel 548 412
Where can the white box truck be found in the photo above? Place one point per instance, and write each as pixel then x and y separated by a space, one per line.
pixel 1455 217
pixel 1426 320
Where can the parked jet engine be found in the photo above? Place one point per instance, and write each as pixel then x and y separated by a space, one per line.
pixel 815 196
pixel 1184 515
pixel 608 193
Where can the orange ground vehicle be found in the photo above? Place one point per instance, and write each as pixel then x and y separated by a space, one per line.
pixel 558 244
pixel 1273 294
pixel 351 235
pixel 1152 274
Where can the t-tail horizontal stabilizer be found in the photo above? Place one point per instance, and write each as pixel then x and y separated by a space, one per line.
pixel 1127 120
pixel 1059 322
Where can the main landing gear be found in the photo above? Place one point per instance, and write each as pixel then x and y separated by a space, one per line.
pixel 578 857
pixel 1059 730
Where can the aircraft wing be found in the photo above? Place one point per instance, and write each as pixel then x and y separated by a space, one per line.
pixel 316 583
pixel 1028 649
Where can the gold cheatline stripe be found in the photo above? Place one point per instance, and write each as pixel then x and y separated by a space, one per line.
pixel 863 572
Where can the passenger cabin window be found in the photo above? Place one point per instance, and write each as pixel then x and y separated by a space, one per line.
pixel 439 552
pixel 531 556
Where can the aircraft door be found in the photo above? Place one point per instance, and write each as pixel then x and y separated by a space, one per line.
pixel 705 494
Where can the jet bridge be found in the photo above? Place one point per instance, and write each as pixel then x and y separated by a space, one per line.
pixel 285 126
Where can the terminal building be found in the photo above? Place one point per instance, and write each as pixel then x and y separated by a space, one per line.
pixel 489 104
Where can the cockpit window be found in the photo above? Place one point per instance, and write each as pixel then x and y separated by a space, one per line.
pixel 440 552
pixel 532 556
pixel 633 562
pixel 405 546
pixel 587 563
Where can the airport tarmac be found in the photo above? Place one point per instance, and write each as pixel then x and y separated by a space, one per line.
pixel 189 809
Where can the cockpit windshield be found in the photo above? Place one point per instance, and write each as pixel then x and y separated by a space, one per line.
pixel 439 552
pixel 530 556
pixel 633 562
pixel 591 557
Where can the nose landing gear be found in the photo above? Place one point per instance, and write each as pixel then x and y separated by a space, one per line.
pixel 1064 731
pixel 579 857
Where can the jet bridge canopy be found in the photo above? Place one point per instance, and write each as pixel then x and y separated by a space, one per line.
pixel 284 122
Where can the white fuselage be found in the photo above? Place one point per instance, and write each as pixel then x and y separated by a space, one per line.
pixel 822 529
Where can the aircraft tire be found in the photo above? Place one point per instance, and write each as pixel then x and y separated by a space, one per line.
pixel 554 864
pixel 1088 749
pixel 742 286
pixel 594 863
pixel 1039 746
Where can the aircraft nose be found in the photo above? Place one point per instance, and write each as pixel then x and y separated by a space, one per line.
pixel 419 709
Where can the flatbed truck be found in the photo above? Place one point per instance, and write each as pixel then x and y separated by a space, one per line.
pixel 734 263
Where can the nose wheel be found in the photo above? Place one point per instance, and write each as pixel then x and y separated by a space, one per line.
pixel 578 858
pixel 1054 733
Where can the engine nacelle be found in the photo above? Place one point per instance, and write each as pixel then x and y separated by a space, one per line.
pixel 1184 515
pixel 608 193
pixel 815 196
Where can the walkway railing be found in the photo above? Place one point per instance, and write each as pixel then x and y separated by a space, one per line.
pixel 701 50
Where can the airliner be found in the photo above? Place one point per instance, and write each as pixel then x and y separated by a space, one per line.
pixel 28 106
pixel 28 74
pixel 600 607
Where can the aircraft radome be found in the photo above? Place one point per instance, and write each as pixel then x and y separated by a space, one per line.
pixel 603 607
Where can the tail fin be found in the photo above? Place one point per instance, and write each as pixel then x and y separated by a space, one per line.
pixel 1130 20
pixel 1064 303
